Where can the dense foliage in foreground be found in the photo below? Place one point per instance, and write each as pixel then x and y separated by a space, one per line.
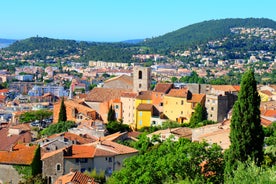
pixel 171 162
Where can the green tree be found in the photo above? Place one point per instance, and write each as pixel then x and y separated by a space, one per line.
pixel 62 111
pixel 115 126
pixel 170 162
pixel 198 116
pixel 111 114
pixel 35 115
pixel 246 135
pixel 61 126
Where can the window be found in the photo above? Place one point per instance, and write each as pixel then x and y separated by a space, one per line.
pixel 110 159
pixel 116 106
pixel 161 104
pixel 181 112
pixel 140 113
pixel 212 108
pixel 140 85
pixel 140 74
pixel 58 167
pixel 182 102
pixel 140 122
pixel 116 115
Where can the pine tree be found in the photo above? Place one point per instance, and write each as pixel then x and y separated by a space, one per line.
pixel 246 134
pixel 62 112
pixel 198 116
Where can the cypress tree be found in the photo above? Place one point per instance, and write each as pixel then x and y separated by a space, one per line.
pixel 111 114
pixel 246 133
pixel 62 112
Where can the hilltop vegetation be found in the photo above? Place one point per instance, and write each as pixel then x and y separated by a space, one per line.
pixel 190 37
pixel 203 32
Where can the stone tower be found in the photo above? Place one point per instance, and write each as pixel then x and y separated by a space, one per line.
pixel 141 78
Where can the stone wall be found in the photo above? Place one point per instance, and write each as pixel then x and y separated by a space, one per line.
pixel 8 174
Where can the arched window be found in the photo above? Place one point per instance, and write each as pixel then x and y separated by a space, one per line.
pixel 140 74
pixel 58 167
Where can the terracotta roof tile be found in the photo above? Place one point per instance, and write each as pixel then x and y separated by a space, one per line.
pixel 7 140
pixel 266 92
pixel 129 94
pixel 144 107
pixel 4 90
pixel 104 94
pixel 22 155
pixel 116 148
pixel 225 88
pixel 270 113
pixel 81 108
pixel 182 93
pixel 144 95
pixel 265 122
pixel 122 78
pixel 163 87
pixel 75 178
pixel 82 151
pixel 197 98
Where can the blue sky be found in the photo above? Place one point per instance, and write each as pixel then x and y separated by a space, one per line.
pixel 118 20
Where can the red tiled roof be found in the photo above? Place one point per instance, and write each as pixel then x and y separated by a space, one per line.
pixel 144 95
pixel 4 90
pixel 122 78
pixel 182 93
pixel 270 113
pixel 82 151
pixel 144 107
pixel 266 92
pixel 104 94
pixel 75 178
pixel 7 141
pixel 129 94
pixel 197 98
pixel 265 122
pixel 73 137
pixel 116 148
pixel 21 155
pixel 163 87
pixel 225 87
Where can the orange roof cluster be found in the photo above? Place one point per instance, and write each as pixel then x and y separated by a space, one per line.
pixel 82 151
pixel 163 87
pixel 181 93
pixel 21 155
pixel 75 178
pixel 104 94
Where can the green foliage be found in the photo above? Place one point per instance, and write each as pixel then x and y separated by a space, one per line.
pixel 62 112
pixel 24 170
pixel 59 127
pixel 115 126
pixel 111 114
pixel 193 78
pixel 38 179
pixel 270 148
pixel 198 116
pixel 99 177
pixel 246 135
pixel 249 172
pixel 37 163
pixel 201 32
pixel 35 115
pixel 171 162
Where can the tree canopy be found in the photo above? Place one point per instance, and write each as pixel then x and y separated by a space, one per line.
pixel 170 162
pixel 62 112
pixel 34 115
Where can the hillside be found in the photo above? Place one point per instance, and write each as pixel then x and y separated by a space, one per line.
pixel 191 36
pixel 198 33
